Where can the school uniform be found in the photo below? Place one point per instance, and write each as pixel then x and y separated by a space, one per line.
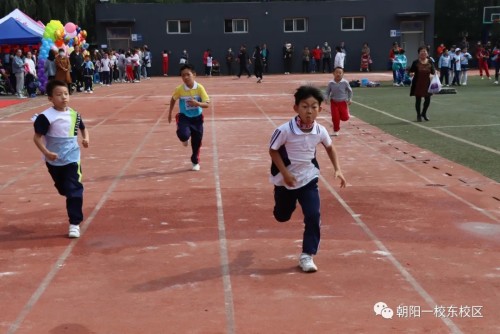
pixel 190 119
pixel 60 131
pixel 298 151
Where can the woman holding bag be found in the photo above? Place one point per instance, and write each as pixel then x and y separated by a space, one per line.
pixel 421 69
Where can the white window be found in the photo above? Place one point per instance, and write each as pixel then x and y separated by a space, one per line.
pixel 236 26
pixel 356 23
pixel 178 27
pixel 295 25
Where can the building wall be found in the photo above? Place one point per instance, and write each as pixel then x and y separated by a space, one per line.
pixel 266 26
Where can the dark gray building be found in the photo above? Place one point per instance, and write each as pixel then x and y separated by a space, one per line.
pixel 198 26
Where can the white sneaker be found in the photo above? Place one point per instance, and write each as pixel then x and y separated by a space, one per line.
pixel 196 167
pixel 336 133
pixel 74 231
pixel 496 82
pixel 306 263
pixel 185 143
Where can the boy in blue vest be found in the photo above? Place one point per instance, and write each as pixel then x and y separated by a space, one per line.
pixel 56 136
pixel 192 98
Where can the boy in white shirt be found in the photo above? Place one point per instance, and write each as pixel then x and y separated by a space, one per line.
pixel 295 170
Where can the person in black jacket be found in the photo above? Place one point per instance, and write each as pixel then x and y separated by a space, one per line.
pixel 244 61
pixel 422 69
pixel 76 61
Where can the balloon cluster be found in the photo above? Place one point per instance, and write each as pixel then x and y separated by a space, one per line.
pixel 55 37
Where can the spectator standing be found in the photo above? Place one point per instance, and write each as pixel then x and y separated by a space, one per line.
pixel 482 56
pixel 136 61
pixel 88 74
pixel 76 61
pixel 229 61
pixel 465 57
pixel 455 59
pixel 366 56
pixel 63 68
pixel 30 76
pixel 288 57
pixel 147 59
pixel 121 64
pixel 317 55
pixel 326 53
pixel 129 67
pixel 265 57
pixel 392 55
pixel 106 70
pixel 50 66
pixel 164 62
pixel 444 66
pixel 422 69
pixel 306 59
pixel 339 58
pixel 184 59
pixel 210 63
pixel 18 70
pixel 205 55
pixel 496 61
pixel 258 64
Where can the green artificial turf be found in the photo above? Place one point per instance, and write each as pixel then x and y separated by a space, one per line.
pixel 473 115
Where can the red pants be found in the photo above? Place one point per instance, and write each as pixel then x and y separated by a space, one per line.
pixel 165 66
pixel 483 65
pixel 340 112
pixel 130 73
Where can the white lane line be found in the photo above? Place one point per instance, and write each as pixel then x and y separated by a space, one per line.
pixel 380 245
pixel 429 181
pixel 464 126
pixel 387 253
pixel 489 149
pixel 67 252
pixel 226 275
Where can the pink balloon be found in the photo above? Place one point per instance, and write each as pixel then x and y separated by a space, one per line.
pixel 70 27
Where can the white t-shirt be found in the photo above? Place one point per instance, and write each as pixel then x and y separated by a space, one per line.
pixel 105 64
pixel 339 60
pixel 298 151
pixel 31 66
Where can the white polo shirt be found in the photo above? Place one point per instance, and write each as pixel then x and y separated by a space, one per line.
pixel 298 151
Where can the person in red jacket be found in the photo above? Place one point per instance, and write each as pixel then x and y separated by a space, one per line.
pixel 317 54
pixel 482 56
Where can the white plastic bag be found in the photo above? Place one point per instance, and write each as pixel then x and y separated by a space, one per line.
pixel 435 85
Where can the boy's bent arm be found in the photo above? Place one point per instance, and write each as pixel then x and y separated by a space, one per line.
pixel 37 138
pixel 171 108
pixel 332 154
pixel 278 161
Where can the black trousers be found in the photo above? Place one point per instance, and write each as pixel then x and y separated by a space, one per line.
pixel 191 127
pixel 67 180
